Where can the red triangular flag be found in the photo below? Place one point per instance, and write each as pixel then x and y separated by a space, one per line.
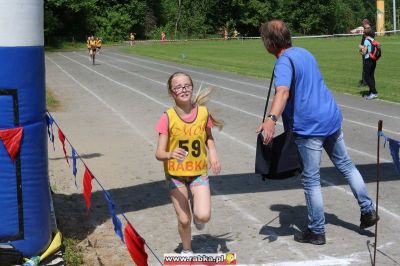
pixel 87 186
pixel 12 140
pixel 135 244
pixel 62 139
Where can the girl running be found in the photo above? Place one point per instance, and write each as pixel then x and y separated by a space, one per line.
pixel 187 147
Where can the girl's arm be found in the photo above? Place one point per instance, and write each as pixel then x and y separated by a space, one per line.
pixel 212 153
pixel 163 155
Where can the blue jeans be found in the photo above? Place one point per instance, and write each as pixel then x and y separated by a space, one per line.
pixel 310 150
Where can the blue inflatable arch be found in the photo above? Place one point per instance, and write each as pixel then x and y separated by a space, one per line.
pixel 25 222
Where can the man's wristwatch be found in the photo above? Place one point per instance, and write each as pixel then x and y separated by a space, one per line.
pixel 273 118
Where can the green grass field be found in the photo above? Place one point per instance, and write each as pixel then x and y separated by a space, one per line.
pixel 338 59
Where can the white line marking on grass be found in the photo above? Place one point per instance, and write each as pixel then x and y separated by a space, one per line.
pixel 126 121
pixel 165 105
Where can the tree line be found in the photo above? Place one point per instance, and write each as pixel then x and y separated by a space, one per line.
pixel 113 20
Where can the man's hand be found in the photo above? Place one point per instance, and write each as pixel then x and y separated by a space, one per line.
pixel 269 130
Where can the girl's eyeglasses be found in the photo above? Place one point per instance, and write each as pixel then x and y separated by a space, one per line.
pixel 179 89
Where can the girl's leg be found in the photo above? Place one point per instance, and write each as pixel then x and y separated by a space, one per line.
pixel 201 199
pixel 369 75
pixel 180 200
pixel 373 76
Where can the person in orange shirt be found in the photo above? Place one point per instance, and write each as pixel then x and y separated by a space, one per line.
pixel 163 37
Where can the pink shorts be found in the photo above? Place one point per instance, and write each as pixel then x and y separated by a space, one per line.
pixel 173 182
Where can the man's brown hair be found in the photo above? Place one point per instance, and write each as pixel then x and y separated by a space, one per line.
pixel 275 36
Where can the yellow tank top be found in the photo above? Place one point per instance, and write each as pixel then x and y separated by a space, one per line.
pixel 92 44
pixel 190 136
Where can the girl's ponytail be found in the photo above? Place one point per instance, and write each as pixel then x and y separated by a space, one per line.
pixel 202 97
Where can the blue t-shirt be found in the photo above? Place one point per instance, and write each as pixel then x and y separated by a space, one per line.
pixel 316 112
pixel 368 43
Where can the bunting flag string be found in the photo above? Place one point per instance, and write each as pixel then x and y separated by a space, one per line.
pixel 74 169
pixel 394 147
pixel 61 137
pixel 49 122
pixel 116 221
pixel 12 140
pixel 134 242
pixel 87 186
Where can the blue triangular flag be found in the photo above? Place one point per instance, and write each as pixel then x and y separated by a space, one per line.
pixel 116 221
pixel 394 147
pixel 74 170
pixel 50 121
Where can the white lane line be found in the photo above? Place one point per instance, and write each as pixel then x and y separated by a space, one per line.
pixel 126 121
pixel 394 215
pixel 193 71
pixel 368 111
pixel 235 206
pixel 231 107
pixel 374 127
pixel 327 261
pixel 119 83
pixel 368 155
pixel 256 222
pixel 222 133
pixel 357 258
pixel 161 83
pixel 242 82
pixel 236 91
pixel 169 73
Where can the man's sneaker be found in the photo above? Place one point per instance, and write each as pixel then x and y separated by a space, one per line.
pixel 307 236
pixel 199 226
pixel 187 252
pixel 371 96
pixel 369 219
